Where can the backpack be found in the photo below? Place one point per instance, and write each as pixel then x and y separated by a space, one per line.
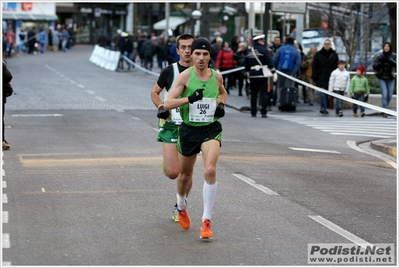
pixel 286 62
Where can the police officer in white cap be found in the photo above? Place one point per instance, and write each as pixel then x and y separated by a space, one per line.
pixel 257 57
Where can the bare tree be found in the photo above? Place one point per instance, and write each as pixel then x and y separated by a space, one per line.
pixel 350 21
pixel 392 23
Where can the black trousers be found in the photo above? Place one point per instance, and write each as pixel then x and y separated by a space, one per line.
pixel 259 86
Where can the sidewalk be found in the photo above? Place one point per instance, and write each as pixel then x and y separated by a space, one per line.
pixel 387 146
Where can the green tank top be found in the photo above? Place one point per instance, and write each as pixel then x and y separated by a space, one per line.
pixel 200 113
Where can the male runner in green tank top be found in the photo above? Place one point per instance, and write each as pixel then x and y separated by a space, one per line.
pixel 200 94
pixel 169 121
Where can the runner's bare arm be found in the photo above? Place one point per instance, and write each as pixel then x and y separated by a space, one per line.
pixel 222 91
pixel 156 95
pixel 173 100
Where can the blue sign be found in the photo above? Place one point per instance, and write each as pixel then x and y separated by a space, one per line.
pixel 10 6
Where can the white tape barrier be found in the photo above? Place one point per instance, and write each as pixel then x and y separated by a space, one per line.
pixel 138 66
pixel 105 58
pixel 364 104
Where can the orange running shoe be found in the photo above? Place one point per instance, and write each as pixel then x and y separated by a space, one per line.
pixel 206 230
pixel 184 219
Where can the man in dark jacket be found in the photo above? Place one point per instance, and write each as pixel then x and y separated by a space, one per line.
pixel 325 61
pixel 259 83
pixel 149 51
pixel 126 48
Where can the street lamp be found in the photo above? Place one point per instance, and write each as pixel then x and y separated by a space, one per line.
pixel 196 15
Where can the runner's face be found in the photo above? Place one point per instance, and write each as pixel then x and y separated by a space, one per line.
pixel 184 50
pixel 201 58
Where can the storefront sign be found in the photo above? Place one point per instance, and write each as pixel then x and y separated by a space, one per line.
pixel 97 12
pixel 9 6
pixel 26 6
pixel 86 10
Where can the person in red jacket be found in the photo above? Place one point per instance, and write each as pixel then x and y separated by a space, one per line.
pixel 224 62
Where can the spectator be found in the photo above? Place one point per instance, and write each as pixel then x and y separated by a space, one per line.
pixel 148 50
pixel 126 48
pixel 384 67
pixel 339 84
pixel 22 39
pixel 224 62
pixel 10 41
pixel 160 50
pixel 241 76
pixel 173 53
pixel 65 39
pixel 216 47
pixel 235 40
pixel 42 40
pixel 56 39
pixel 276 44
pixel 103 40
pixel 31 41
pixel 216 35
pixel 306 66
pixel 287 59
pixel 299 73
pixel 324 62
pixel 359 89
pixel 115 40
pixel 50 38
pixel 71 39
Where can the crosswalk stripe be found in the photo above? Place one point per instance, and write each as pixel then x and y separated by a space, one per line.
pixel 367 127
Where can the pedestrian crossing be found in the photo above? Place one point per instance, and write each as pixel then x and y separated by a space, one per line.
pixel 349 126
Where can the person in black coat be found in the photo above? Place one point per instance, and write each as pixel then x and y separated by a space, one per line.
pixel 324 63
pixel 126 47
pixel 241 76
pixel 384 67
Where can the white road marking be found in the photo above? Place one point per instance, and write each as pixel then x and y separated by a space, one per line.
pixel 315 150
pixel 6 241
pixel 254 184
pixel 5 216
pixel 351 237
pixel 35 115
pixel 100 99
pixel 4 184
pixel 353 145
pixel 89 91
pixel 5 199
pixel 81 86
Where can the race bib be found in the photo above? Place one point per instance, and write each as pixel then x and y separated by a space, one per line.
pixel 176 117
pixel 202 110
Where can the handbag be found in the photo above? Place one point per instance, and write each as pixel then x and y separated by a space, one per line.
pixel 265 70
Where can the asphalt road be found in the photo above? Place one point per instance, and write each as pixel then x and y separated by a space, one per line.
pixel 83 182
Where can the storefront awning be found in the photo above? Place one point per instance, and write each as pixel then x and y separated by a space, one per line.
pixel 20 16
pixel 173 23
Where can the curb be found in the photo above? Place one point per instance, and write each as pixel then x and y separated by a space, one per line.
pixel 387 146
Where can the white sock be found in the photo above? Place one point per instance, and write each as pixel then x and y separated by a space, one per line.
pixel 181 201
pixel 208 194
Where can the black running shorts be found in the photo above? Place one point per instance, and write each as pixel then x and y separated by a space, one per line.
pixel 191 138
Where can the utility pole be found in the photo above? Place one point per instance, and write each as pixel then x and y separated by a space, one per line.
pixel 205 21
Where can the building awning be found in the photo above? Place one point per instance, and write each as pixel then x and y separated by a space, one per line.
pixel 28 16
pixel 173 23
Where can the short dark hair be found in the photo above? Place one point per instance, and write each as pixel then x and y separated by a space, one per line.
pixel 289 40
pixel 183 37
pixel 342 62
